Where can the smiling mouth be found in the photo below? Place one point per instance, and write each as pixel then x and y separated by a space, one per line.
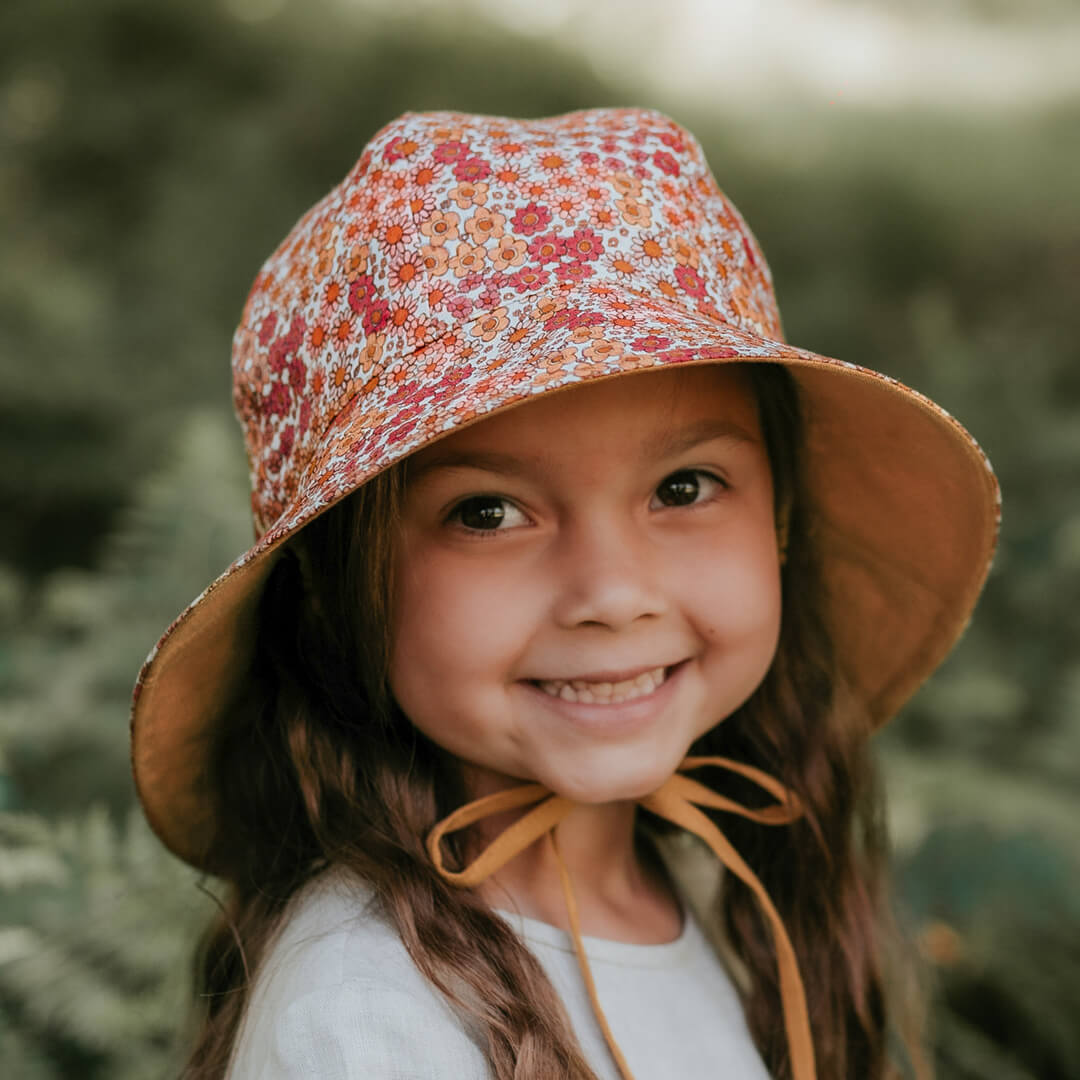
pixel 605 693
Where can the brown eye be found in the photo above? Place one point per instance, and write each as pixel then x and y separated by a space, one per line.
pixel 486 513
pixel 481 512
pixel 684 487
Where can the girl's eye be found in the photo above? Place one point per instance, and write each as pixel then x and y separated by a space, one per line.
pixel 684 487
pixel 485 513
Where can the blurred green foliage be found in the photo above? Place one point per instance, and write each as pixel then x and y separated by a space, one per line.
pixel 152 155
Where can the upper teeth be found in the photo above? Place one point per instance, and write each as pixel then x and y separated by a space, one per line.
pixel 604 692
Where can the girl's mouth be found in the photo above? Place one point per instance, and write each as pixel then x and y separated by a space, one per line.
pixel 605 693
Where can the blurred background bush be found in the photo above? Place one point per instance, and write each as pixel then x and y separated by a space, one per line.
pixel 911 169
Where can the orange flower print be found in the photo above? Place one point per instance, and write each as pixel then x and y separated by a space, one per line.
pixel 396 233
pixel 372 352
pixel 548 307
pixel 424 173
pixel 509 252
pixel 324 266
pixel 435 260
pixel 603 350
pixel 332 293
pixel 685 253
pixel 405 272
pixel 622 266
pixel 484 225
pixel 602 217
pixel 469 193
pixel 647 249
pixel 356 262
pixel 441 227
pixel 668 289
pixel 468 259
pixel 436 297
pixel 635 213
pixel 626 184
pixel 489 324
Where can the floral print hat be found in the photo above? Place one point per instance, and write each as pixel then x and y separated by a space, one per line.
pixel 468 263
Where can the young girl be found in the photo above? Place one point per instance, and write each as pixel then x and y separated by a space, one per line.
pixel 524 652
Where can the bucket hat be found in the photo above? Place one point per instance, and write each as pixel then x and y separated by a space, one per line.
pixel 469 263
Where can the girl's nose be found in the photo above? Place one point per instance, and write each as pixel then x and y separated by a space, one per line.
pixel 608 575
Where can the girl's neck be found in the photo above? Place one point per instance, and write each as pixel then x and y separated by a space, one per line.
pixel 622 889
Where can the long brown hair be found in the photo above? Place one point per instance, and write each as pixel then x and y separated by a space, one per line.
pixel 317 766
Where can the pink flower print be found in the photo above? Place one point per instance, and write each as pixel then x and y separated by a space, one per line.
pixel 585 246
pixel 435 260
pixel 266 328
pixel 548 248
pixel 635 213
pixel 665 162
pixel 441 227
pixel 528 278
pixel 484 225
pixel 489 324
pixel 473 281
pixel 361 293
pixel 459 306
pixel 399 147
pixel 508 252
pixel 579 319
pixel 472 169
pixel 489 297
pixel 588 157
pixel 297 374
pixel 450 151
pixel 305 417
pixel 467 259
pixel 689 281
pixel 286 438
pixel 552 161
pixel 573 271
pixel 376 316
pixel 651 343
pixel 280 400
pixel 567 204
pixel 531 219
pixel 674 141
pixel 469 193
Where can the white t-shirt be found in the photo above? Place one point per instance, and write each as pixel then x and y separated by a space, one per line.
pixel 337 997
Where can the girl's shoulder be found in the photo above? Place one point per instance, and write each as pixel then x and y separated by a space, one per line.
pixel 336 993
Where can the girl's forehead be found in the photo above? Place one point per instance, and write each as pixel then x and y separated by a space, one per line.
pixel 628 409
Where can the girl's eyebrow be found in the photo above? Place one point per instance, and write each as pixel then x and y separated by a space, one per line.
pixel 665 444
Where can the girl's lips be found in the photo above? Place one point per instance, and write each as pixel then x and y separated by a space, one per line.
pixel 613 718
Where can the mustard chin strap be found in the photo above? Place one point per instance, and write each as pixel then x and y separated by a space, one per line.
pixel 676 800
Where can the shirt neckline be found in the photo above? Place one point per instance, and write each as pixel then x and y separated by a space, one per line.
pixel 607 950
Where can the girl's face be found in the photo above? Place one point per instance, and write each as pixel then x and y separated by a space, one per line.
pixel 554 554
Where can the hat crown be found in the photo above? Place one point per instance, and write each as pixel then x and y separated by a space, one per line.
pixel 453 226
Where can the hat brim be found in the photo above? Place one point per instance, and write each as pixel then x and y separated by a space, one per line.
pixel 905 509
